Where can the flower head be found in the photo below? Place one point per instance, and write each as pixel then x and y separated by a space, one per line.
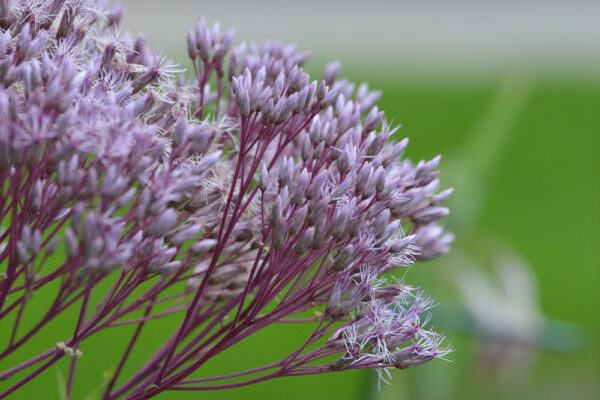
pixel 267 194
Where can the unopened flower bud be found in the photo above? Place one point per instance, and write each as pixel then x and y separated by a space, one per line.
pixel 373 120
pixel 344 258
pixel 332 71
pixel 316 210
pixel 278 236
pixel 322 91
pixel 342 188
pixel 286 172
pixel 410 356
pixel 430 214
pixel 364 176
pixel 441 197
pixel 379 177
pixel 276 211
pixel 305 241
pixel 183 235
pixel 263 179
pixel 346 160
pixel 203 246
pixel 51 247
pixel 300 187
pixel 192 45
pixel 243 101
pixel 297 220
pixel 306 149
pixel 339 230
pixel 70 242
pixel 317 184
pixel 163 223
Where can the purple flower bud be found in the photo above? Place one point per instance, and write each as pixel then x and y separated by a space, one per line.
pixel 228 38
pixel 342 188
pixel 441 197
pixel 332 71
pixel 322 235
pixel 341 221
pixel 306 149
pixel 310 98
pixel 36 197
pixel 262 99
pixel 430 214
pixel 382 222
pixel 353 300
pixel 278 86
pixel 184 235
pixel 316 209
pixel 410 356
pixel 316 132
pixel 163 223
pixel 391 229
pixel 269 112
pixel 316 184
pixel 263 179
pixel 243 101
pixel 35 244
pixel 424 169
pixel 355 224
pixel 379 177
pixel 300 187
pixel 374 144
pixel 286 172
pixel 305 241
pixel 276 215
pixel 373 119
pixel 285 106
pixel 180 133
pixel 114 16
pixel 398 245
pixel 203 40
pixel 344 258
pixel 203 246
pixel 246 80
pixel 4 41
pixel 318 151
pixel 339 288
pixel 70 243
pixel 432 241
pixel 346 160
pixel 297 220
pixel 22 253
pixel 145 79
pixel 260 75
pixel 387 292
pixel 323 90
pixel 215 32
pixel 278 235
pixel 209 160
pixel 409 200
pixel 51 246
pixel 364 177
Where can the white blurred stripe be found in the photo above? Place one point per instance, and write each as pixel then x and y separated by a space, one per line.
pixel 437 34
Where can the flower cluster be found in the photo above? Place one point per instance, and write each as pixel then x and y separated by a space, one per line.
pixel 247 196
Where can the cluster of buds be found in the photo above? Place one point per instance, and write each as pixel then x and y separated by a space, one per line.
pixel 269 196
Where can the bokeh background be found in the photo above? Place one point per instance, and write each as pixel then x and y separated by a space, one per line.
pixel 509 93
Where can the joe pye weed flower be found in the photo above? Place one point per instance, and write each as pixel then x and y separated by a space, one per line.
pixel 245 197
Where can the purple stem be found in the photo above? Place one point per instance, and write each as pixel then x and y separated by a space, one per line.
pixel 125 356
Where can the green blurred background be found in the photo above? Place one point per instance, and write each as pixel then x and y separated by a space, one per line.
pixel 510 96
